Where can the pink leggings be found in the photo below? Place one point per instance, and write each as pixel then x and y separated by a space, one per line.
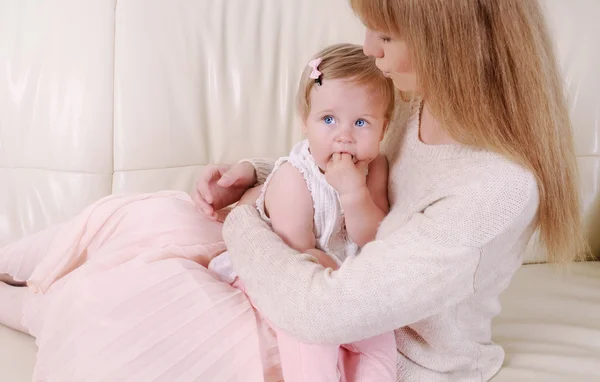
pixel 372 359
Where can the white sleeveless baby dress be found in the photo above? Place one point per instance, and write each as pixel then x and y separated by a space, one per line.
pixel 329 223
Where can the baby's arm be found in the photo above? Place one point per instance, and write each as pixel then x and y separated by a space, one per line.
pixel 365 210
pixel 289 205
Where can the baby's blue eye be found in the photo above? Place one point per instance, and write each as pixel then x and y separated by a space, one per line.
pixel 328 120
pixel 360 123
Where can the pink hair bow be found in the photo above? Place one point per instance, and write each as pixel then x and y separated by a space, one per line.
pixel 314 64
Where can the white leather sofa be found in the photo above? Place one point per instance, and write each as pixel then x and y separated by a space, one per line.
pixel 106 96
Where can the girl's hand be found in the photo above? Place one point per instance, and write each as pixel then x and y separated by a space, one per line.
pixel 222 185
pixel 345 176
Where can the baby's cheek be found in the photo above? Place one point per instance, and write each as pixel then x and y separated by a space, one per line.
pixel 369 152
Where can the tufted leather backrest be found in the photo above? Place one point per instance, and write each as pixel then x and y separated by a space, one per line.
pixel 99 97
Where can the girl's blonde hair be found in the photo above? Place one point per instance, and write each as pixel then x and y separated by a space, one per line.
pixel 346 61
pixel 488 72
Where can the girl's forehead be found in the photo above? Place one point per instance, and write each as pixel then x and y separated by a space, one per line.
pixel 342 89
pixel 344 95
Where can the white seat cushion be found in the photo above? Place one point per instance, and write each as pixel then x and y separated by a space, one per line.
pixel 17 355
pixel 549 327
pixel 550 324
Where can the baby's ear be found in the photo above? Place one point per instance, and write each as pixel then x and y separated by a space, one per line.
pixel 385 127
pixel 304 128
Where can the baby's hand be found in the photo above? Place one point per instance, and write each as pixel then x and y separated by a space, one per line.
pixel 345 176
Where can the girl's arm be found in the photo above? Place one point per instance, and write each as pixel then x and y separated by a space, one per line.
pixel 262 167
pixel 365 209
pixel 289 205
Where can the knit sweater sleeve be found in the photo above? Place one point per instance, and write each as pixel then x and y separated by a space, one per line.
pixel 262 166
pixel 422 267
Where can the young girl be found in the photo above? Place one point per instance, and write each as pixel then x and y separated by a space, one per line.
pixel 330 194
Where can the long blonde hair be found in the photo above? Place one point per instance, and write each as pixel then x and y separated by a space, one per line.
pixel 488 72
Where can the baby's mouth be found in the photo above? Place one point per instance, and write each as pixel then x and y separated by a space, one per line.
pixel 354 160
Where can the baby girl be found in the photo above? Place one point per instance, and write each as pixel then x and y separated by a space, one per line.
pixel 329 195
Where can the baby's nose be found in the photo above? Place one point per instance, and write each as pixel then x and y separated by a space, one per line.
pixel 344 136
pixel 343 139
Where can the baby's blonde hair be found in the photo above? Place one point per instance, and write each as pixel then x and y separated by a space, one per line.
pixel 346 61
pixel 488 72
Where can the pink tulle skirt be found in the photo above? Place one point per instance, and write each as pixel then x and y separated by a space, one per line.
pixel 121 293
